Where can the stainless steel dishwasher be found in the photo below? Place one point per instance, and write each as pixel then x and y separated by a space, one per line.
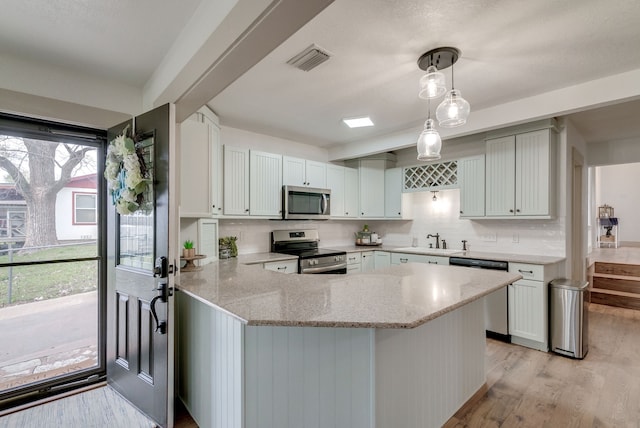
pixel 496 312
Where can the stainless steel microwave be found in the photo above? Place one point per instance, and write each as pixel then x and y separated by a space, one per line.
pixel 305 203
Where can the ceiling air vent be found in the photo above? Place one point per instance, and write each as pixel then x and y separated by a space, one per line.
pixel 309 58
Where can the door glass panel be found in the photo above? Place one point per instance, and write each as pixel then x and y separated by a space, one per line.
pixel 49 261
pixel 136 244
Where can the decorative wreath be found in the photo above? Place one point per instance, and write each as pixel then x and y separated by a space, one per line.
pixel 126 174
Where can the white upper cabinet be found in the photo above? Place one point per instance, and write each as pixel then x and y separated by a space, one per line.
pixel 471 176
pixel 335 182
pixel 316 173
pixel 372 188
pixel 200 167
pixel 535 194
pixel 265 188
pixel 393 193
pixel 520 175
pixel 343 183
pixel 351 192
pixel 301 172
pixel 500 176
pixel 236 181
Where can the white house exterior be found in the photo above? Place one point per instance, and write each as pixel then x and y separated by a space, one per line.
pixel 76 209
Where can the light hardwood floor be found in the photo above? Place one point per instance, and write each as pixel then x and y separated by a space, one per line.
pixel 529 388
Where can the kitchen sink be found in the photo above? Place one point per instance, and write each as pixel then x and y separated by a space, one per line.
pixel 427 250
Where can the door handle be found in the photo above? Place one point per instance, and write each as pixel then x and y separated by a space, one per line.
pixel 163 294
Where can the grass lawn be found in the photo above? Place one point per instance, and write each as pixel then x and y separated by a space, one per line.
pixel 46 281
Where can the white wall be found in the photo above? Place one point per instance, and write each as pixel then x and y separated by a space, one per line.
pixel 254 236
pixel 615 186
pixel 251 140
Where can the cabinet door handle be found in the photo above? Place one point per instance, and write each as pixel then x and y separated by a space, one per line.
pixel 525 271
pixel 510 211
pixel 246 210
pixel 399 213
pixel 362 213
pixel 282 268
pixel 347 213
pixel 518 210
pixel 404 260
pixel 461 212
pixel 432 263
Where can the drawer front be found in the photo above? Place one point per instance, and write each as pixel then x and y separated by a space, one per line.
pixel 354 268
pixel 353 258
pixel 532 272
pixel 399 258
pixel 437 260
pixel 289 266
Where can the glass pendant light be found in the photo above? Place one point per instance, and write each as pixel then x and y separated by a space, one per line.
pixel 432 84
pixel 453 110
pixel 429 141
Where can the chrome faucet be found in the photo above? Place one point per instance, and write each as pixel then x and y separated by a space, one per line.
pixel 437 236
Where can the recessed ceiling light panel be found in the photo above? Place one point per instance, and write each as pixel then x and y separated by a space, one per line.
pixel 358 122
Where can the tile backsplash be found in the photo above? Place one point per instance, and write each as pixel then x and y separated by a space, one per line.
pixel 535 237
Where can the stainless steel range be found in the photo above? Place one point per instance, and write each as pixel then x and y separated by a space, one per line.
pixel 311 259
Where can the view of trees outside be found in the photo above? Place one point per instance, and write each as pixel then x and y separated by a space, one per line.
pixel 35 176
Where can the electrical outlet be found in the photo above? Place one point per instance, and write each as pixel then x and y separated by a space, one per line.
pixel 490 237
pixel 516 238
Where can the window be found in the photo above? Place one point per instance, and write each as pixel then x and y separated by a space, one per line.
pixel 84 208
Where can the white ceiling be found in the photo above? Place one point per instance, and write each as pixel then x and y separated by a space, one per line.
pixel 121 40
pixel 510 50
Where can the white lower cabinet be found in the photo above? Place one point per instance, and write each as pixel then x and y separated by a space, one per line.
pixel 528 305
pixel 354 263
pixel 367 261
pixel 286 266
pixel 382 259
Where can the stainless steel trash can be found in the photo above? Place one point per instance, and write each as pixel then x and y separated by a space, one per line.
pixel 569 320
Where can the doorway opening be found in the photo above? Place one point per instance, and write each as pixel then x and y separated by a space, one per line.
pixel 52 263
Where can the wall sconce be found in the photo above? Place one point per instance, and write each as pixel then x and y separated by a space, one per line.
pixel 435 195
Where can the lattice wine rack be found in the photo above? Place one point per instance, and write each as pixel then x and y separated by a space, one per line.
pixel 436 175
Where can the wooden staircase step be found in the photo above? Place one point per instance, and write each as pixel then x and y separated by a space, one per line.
pixel 624 284
pixel 615 298
pixel 617 269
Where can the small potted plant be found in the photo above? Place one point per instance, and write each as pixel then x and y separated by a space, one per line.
pixel 188 251
pixel 227 247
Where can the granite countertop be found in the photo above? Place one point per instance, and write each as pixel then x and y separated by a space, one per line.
pixel 404 296
pixel 513 258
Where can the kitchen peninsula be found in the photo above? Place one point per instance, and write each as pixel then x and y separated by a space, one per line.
pixel 402 347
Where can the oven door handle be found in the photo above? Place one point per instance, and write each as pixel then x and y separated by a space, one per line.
pixel 324 268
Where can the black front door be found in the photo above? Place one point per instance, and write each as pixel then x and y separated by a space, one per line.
pixel 139 273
